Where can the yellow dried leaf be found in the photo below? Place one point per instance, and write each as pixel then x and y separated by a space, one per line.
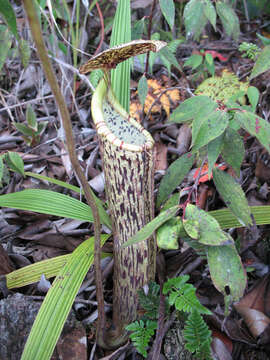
pixel 158 96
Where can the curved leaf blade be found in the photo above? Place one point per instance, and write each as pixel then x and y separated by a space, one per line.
pixel 262 64
pixel 47 202
pixel 193 107
pixel 254 125
pixel 205 227
pixel 148 229
pixel 229 19
pixel 8 13
pixel 32 273
pixel 226 269
pixel 208 128
pixel 58 301
pixel 168 11
pixel 194 19
pixel 233 151
pixel 174 176
pixel 104 217
pixel 233 196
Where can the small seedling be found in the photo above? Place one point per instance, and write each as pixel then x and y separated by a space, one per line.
pixel 33 129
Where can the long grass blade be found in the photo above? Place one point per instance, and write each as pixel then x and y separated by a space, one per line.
pixel 121 33
pixel 57 304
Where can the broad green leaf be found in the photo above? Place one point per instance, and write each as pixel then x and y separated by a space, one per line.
pixel 254 125
pixel 262 64
pixel 213 150
pixel 25 52
pixel 14 162
pixel 206 229
pixel 233 151
pixel 8 13
pixel 253 95
pixel 193 107
pixel 148 229
pixel 104 217
pixel 209 59
pixel 5 44
pixel 229 19
pixel 142 89
pixel 137 29
pixel 208 128
pixel 192 228
pixel 31 118
pixel 194 61
pixel 263 39
pixel 236 99
pixel 233 196
pixel 168 57
pixel 194 19
pixel 168 233
pixel 58 302
pixel 227 271
pixel 24 129
pixel 121 33
pixel 172 201
pixel 168 11
pixel 210 12
pixel 210 67
pixel 47 202
pixel 174 176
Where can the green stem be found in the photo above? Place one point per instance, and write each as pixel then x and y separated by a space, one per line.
pixel 59 99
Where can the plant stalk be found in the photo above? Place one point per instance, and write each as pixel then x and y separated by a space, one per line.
pixel 70 143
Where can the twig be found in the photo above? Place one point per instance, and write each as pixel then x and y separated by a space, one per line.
pixel 162 310
pixel 102 28
pixel 149 33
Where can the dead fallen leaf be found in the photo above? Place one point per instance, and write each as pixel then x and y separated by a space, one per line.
pixel 158 98
pixel 5 263
pixel 255 320
pixel 161 156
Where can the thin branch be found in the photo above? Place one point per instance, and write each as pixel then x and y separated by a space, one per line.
pixel 102 28
pixel 149 30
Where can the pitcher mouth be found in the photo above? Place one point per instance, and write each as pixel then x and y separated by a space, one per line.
pixel 114 123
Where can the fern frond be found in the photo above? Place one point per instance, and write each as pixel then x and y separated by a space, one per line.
pixel 150 301
pixel 175 283
pixel 183 296
pixel 141 334
pixel 204 352
pixel 197 336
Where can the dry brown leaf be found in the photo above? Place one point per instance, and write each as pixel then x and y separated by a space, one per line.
pixel 255 320
pixel 161 156
pixel 158 98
